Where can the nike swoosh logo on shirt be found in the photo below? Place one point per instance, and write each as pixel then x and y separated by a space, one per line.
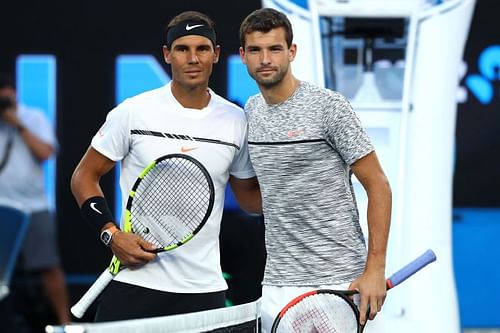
pixel 186 149
pixel 92 205
pixel 190 27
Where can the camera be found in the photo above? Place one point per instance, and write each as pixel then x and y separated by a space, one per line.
pixel 5 103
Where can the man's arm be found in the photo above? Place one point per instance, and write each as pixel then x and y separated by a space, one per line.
pixel 247 193
pixel 371 284
pixel 88 173
pixel 40 149
pixel 129 248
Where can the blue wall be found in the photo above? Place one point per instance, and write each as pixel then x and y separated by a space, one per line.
pixel 476 254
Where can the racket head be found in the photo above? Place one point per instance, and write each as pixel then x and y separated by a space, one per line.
pixel 319 311
pixel 170 201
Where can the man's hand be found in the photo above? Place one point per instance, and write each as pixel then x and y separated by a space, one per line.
pixel 372 289
pixel 9 115
pixel 132 250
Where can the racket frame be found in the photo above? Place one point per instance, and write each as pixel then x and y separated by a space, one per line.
pixel 343 294
pixel 395 279
pixel 130 200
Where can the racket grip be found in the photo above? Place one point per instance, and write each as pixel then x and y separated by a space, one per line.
pixel 79 309
pixel 410 269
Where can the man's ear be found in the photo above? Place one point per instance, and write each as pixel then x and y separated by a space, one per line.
pixel 166 54
pixel 292 52
pixel 242 54
pixel 216 54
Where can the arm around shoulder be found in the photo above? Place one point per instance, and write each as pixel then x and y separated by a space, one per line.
pixel 247 193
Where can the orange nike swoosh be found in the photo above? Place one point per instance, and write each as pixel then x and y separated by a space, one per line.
pixel 186 149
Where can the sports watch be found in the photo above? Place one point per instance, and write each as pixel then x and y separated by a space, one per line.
pixel 107 235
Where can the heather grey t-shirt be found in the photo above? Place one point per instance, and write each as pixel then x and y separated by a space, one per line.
pixel 302 150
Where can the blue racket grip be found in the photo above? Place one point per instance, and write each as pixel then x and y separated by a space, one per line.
pixel 410 269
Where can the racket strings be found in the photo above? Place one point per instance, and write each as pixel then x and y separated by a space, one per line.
pixel 319 313
pixel 170 202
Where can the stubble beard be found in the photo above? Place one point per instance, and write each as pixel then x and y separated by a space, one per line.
pixel 272 81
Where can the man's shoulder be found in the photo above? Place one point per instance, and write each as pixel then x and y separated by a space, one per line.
pixel 31 113
pixel 314 89
pixel 226 102
pixel 230 107
pixel 29 109
pixel 254 101
pixel 322 95
pixel 146 95
pixel 149 99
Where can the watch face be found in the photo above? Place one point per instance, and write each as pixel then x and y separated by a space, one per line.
pixel 106 237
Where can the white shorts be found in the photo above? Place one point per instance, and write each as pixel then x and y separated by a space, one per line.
pixel 274 298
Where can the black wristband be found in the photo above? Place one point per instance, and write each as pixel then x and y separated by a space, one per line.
pixel 96 212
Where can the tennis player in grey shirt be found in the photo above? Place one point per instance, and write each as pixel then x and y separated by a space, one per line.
pixel 305 142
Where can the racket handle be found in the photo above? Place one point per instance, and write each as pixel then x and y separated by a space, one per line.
pixel 410 269
pixel 79 309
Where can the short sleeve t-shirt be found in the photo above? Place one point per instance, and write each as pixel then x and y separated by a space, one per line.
pixel 153 124
pixel 302 150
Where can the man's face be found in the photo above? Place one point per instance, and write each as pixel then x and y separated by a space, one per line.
pixel 192 58
pixel 7 99
pixel 8 93
pixel 267 56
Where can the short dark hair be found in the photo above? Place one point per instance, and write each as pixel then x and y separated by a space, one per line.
pixel 264 20
pixel 6 81
pixel 192 16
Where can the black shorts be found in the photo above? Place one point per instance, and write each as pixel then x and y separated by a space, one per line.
pixel 122 301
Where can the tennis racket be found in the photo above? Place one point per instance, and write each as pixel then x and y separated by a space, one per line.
pixel 333 311
pixel 169 203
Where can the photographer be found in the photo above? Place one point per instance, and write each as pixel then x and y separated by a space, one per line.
pixel 26 141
